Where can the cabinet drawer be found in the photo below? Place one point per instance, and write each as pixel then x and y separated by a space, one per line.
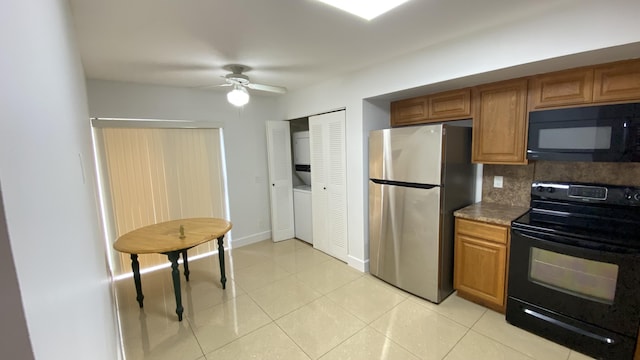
pixel 497 233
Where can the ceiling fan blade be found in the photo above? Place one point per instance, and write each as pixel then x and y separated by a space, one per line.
pixel 212 86
pixel 269 88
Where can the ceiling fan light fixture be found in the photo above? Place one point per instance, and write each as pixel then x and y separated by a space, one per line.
pixel 239 96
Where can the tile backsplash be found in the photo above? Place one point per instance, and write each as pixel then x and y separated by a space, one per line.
pixel 518 179
pixel 516 184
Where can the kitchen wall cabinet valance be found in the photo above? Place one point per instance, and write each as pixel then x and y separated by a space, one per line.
pixel 480 264
pixel 450 105
pixel 329 183
pixel 500 123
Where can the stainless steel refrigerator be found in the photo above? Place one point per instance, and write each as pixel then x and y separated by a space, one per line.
pixel 418 176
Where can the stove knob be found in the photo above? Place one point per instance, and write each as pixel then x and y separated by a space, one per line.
pixel 550 189
pixel 636 196
pixel 540 189
pixel 628 196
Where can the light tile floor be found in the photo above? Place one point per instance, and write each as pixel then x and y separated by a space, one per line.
pixel 287 300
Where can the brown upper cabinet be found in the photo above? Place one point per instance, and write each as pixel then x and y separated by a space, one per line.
pixel 499 110
pixel 564 88
pixel 500 123
pixel 609 83
pixel 617 82
pixel 409 112
pixel 450 105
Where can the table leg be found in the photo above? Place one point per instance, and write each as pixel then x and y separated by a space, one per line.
pixel 136 278
pixel 223 278
pixel 175 273
pixel 185 263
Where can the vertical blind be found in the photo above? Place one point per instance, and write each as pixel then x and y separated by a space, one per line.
pixel 155 175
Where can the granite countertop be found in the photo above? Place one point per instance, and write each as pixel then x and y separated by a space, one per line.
pixel 494 213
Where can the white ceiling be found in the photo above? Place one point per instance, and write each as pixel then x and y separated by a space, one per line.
pixel 291 43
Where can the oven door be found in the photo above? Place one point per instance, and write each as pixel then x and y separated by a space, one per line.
pixel 574 292
pixel 590 282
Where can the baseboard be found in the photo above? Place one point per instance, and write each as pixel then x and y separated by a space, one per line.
pixel 358 264
pixel 251 239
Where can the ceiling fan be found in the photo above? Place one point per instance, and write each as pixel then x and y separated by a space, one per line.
pixel 239 95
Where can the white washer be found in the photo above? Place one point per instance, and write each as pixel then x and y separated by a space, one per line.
pixel 302 210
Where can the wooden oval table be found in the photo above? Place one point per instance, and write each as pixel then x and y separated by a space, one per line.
pixel 173 238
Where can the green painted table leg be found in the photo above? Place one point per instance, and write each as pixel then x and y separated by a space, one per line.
pixel 185 263
pixel 136 278
pixel 175 274
pixel 223 278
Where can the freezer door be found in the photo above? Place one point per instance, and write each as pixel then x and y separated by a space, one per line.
pixel 404 237
pixel 410 154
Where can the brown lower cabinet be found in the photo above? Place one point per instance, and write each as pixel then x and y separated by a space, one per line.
pixel 480 264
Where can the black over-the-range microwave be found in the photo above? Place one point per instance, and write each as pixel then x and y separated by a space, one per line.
pixel 605 133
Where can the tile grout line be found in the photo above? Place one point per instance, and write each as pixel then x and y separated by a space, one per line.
pixel 195 337
pixel 456 344
pixel 445 315
pixel 292 340
pixel 505 345
pixel 395 342
pixel 509 346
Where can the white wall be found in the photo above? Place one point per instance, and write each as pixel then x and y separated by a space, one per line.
pixel 47 179
pixel 541 43
pixel 243 131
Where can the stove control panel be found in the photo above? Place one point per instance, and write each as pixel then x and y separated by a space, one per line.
pixel 587 193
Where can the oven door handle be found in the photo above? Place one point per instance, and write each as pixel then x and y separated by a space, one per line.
pixel 578 243
pixel 577 330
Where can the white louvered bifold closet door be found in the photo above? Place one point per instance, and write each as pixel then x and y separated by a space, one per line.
pixel 337 185
pixel 329 183
pixel 156 175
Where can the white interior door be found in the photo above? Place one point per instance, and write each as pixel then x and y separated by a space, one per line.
pixel 280 180
pixel 336 184
pixel 328 183
pixel 318 185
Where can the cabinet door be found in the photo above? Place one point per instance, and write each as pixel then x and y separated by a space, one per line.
pixel 280 180
pixel 409 112
pixel 564 88
pixel 450 105
pixel 480 268
pixel 617 82
pixel 500 123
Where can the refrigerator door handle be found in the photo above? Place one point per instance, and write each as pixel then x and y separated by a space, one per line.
pixel 403 184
